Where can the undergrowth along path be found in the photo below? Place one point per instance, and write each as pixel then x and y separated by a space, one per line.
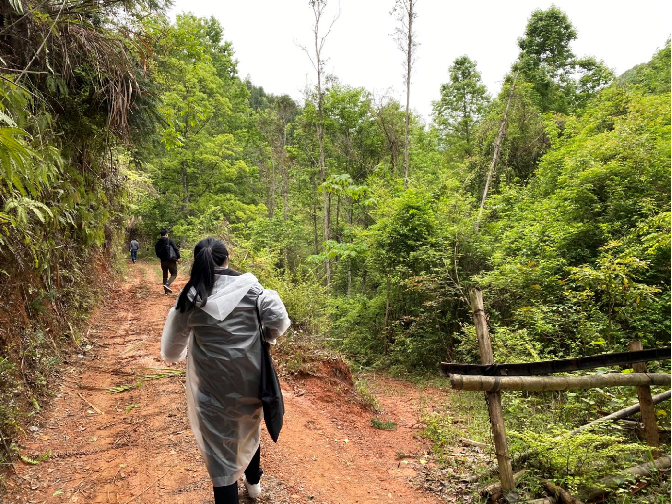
pixel 116 430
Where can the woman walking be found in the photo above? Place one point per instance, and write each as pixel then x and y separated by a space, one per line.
pixel 215 324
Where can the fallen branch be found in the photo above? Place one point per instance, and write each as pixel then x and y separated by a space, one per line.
pixel 611 482
pixel 471 442
pixel 544 500
pixel 631 424
pixel 624 413
pixel 90 404
pixel 494 491
pixel 544 383
pixel 519 458
pixel 559 493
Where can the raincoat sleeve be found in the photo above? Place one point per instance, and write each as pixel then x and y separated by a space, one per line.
pixel 273 315
pixel 175 336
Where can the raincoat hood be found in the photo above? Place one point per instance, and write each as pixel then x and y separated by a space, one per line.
pixel 227 292
pixel 222 343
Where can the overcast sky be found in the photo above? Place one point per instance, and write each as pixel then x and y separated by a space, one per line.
pixel 361 51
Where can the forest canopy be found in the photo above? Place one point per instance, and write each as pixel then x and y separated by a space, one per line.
pixel 553 196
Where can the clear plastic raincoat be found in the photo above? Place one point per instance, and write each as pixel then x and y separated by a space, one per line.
pixel 222 342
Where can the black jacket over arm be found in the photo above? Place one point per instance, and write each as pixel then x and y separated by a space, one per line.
pixel 161 249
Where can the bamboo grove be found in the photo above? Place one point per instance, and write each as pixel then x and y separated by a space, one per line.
pixel 553 195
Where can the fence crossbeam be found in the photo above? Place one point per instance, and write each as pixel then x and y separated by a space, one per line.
pixel 545 383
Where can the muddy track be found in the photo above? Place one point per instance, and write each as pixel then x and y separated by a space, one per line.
pixel 135 445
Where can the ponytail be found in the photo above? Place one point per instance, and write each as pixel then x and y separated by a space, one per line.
pixel 209 253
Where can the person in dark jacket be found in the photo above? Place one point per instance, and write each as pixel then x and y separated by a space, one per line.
pixel 133 249
pixel 168 254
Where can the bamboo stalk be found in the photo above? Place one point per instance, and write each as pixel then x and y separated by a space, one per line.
pixel 545 383
pixel 609 483
pixel 494 399
pixel 560 493
pixel 518 459
pixel 631 424
pixel 494 490
pixel 646 405
pixel 471 442
pixel 495 154
pixel 557 365
pixel 624 413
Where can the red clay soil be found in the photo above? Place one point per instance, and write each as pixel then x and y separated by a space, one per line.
pixel 135 445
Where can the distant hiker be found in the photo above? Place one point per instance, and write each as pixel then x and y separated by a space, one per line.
pixel 215 325
pixel 169 254
pixel 133 249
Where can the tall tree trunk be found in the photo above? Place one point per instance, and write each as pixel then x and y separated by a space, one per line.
pixel 391 140
pixel 409 57
pixel 349 214
pixel 387 314
pixel 185 189
pixel 185 180
pixel 495 155
pixel 316 243
pixel 285 177
pixel 284 170
pixel 318 7
pixel 285 193
pixel 465 118
pixel 185 198
pixel 338 211
pixel 185 173
pixel 328 210
pixel 327 264
pixel 327 218
pixel 270 189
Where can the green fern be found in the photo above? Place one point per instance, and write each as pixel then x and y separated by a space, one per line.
pixel 29 460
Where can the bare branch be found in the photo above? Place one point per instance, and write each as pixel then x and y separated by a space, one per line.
pixel 331 26
pixel 303 48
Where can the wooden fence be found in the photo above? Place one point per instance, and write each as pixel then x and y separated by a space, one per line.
pixel 491 378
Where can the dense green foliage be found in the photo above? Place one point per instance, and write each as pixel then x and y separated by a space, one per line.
pixel 572 253
pixel 71 95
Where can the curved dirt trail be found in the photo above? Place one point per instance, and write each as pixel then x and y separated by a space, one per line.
pixel 135 446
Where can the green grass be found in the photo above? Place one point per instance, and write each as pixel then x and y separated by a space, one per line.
pixel 141 378
pixel 383 424
pixel 366 398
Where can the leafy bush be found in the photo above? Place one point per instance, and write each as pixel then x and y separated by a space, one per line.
pixel 578 461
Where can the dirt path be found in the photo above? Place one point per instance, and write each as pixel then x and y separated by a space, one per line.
pixel 136 446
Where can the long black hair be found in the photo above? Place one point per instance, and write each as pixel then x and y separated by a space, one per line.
pixel 209 253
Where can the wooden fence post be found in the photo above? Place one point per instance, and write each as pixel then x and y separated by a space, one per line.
pixel 494 398
pixel 646 405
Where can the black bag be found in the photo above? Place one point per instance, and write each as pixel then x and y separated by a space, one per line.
pixel 171 252
pixel 270 393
